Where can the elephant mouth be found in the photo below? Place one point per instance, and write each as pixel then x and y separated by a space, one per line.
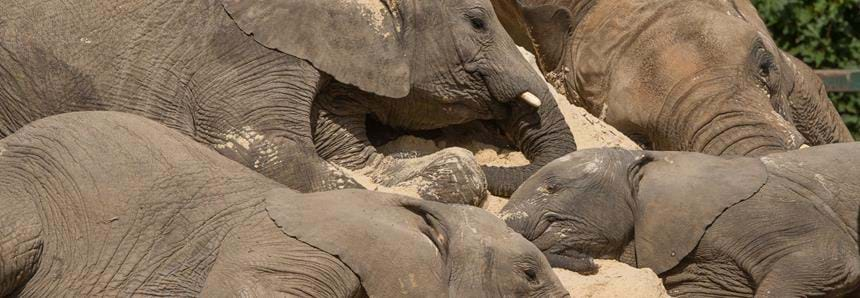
pixel 560 254
pixel 576 262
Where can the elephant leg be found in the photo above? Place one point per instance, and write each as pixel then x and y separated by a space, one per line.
pixel 815 271
pixel 263 121
pixel 450 175
pixel 814 115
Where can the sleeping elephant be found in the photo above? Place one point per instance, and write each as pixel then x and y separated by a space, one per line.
pixel 702 76
pixel 784 225
pixel 263 82
pixel 112 204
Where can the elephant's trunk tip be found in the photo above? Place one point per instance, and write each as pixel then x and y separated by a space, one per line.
pixel 530 99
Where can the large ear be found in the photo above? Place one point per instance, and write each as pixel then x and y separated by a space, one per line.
pixel 549 27
pixel 813 113
pixel 358 42
pixel 541 29
pixel 680 194
pixel 395 245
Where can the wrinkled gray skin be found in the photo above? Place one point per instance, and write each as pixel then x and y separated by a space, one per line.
pixel 112 204
pixel 785 225
pixel 702 75
pixel 262 81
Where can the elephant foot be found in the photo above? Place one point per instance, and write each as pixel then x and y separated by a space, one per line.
pixel 450 176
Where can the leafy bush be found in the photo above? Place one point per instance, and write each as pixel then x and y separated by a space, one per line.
pixel 823 33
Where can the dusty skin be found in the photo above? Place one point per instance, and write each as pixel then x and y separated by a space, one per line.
pixel 614 279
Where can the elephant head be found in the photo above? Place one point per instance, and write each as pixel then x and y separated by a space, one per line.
pixel 649 209
pixel 425 65
pixel 403 247
pixel 701 76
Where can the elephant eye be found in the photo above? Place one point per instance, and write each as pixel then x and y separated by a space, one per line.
pixel 477 17
pixel 764 59
pixel 478 24
pixel 531 275
pixel 766 67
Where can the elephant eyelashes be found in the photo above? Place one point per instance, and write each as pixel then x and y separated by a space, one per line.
pixel 531 275
pixel 477 18
pixel 478 24
pixel 764 59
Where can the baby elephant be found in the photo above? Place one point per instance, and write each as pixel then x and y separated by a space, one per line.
pixel 784 225
pixel 109 204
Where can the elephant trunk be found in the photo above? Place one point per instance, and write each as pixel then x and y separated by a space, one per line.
pixel 707 120
pixel 542 136
pixel 527 219
pixel 20 239
pixel 813 113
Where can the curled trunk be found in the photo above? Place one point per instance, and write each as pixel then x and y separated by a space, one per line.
pixel 542 137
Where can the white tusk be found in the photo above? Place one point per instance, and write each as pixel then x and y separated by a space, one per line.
pixel 530 99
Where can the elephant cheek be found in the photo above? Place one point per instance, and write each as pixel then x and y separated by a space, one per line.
pixel 756 135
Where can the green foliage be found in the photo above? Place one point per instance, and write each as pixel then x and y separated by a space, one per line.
pixel 823 33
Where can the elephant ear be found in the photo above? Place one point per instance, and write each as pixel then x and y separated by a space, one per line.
pixel 549 27
pixel 396 247
pixel 679 195
pixel 358 42
pixel 541 29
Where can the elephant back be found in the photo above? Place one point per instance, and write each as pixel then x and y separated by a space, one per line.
pixel 108 184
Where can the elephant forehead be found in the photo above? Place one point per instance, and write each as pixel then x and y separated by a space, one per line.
pixel 480 223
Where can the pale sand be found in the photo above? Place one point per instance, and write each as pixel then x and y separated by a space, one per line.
pixel 614 279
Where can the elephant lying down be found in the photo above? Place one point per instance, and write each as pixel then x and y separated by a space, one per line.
pixel 784 225
pixel 698 75
pixel 110 204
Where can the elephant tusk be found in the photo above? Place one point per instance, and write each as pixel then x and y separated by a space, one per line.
pixel 530 99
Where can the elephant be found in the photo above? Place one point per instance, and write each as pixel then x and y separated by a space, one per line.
pixel 702 76
pixel 782 225
pixel 273 84
pixel 114 204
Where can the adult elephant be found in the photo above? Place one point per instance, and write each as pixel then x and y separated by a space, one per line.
pixel 112 204
pixel 260 81
pixel 783 225
pixel 701 76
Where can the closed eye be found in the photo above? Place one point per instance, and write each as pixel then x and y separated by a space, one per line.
pixel 477 17
pixel 478 24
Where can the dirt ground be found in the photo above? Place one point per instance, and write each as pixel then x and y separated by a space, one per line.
pixel 614 279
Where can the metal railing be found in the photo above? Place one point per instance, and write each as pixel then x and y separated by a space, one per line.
pixel 840 80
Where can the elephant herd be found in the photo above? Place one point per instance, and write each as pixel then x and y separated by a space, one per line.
pixel 209 148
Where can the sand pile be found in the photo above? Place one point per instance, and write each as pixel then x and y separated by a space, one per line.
pixel 614 279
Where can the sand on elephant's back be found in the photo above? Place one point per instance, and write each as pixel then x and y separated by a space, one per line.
pixel 614 279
